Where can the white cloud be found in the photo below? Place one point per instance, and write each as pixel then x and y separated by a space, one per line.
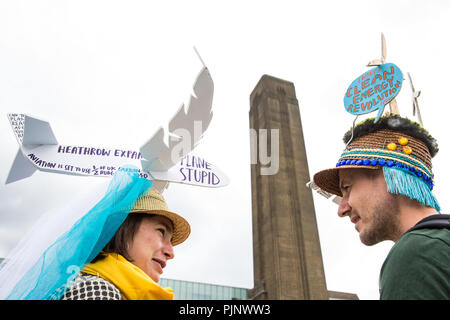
pixel 110 73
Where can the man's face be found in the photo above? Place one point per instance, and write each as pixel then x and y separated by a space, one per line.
pixel 367 203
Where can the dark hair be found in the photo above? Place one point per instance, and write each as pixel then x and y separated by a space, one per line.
pixel 395 123
pixel 121 239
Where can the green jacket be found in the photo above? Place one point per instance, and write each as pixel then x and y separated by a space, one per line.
pixel 418 267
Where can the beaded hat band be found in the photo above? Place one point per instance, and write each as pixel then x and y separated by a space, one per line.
pixel 404 158
pixel 375 150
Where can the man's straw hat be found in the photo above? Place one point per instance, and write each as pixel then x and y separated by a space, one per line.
pixel 153 203
pixel 393 142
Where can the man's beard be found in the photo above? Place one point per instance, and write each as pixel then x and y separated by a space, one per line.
pixel 383 222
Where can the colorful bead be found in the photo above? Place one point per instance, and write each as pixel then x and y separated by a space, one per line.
pixel 407 150
pixel 374 161
pixel 403 141
pixel 392 146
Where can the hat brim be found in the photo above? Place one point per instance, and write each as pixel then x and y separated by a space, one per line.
pixel 328 179
pixel 181 228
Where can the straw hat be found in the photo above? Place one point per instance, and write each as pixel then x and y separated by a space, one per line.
pixel 153 202
pixel 392 142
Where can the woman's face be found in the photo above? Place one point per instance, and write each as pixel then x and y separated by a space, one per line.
pixel 151 247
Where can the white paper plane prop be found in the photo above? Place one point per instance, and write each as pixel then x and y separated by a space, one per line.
pixel 332 197
pixel 39 149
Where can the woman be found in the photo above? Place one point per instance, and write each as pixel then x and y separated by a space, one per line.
pixel 120 236
pixel 130 265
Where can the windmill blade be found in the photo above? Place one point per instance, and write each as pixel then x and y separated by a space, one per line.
pixel 378 62
pixel 416 107
pixel 411 83
pixel 415 95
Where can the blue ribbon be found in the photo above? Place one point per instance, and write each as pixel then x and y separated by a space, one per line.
pixel 72 251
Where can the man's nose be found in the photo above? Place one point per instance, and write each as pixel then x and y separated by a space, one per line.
pixel 344 208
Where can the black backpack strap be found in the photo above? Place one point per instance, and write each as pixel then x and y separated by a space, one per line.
pixel 435 221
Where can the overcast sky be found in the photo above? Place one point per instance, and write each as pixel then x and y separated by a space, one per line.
pixel 110 73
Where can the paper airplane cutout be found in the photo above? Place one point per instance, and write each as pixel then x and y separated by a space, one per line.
pixel 157 161
pixel 332 197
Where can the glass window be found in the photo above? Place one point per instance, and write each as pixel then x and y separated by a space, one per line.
pixel 186 290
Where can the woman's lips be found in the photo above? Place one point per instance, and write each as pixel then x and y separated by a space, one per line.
pixel 160 263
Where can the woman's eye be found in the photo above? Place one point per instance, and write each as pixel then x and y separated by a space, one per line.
pixel 162 231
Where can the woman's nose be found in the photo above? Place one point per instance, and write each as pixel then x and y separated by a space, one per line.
pixel 168 251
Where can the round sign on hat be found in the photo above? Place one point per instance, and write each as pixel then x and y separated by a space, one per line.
pixel 373 89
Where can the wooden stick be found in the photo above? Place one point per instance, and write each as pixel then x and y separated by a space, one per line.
pixel 394 107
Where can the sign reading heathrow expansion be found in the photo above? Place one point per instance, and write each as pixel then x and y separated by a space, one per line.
pixel 40 150
pixel 155 160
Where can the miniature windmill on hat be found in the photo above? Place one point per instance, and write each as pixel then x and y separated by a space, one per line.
pixel 377 62
pixel 415 95
pixel 400 147
pixel 375 88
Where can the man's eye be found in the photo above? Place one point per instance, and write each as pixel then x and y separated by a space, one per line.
pixel 163 232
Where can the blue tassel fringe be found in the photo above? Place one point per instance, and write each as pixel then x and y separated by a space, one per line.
pixel 400 181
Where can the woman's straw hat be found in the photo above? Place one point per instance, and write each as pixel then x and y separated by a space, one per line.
pixel 153 203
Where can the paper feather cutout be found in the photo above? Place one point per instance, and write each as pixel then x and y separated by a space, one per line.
pixel 186 126
pixel 160 162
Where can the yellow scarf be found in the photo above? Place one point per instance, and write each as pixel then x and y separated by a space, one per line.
pixel 133 283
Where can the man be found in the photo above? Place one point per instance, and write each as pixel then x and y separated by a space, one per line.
pixel 385 180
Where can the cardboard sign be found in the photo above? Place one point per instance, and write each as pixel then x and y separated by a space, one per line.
pixel 103 162
pixel 47 156
pixel 156 160
pixel 373 90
